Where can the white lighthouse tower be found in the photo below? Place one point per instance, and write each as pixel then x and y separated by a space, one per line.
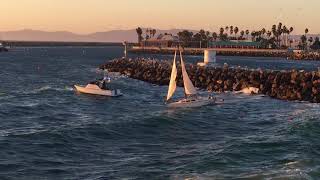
pixel 209 57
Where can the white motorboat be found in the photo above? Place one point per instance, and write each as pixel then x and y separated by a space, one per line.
pixel 99 88
pixel 249 90
pixel 95 90
pixel 191 97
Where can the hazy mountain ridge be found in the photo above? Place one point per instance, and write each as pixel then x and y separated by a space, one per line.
pixel 65 36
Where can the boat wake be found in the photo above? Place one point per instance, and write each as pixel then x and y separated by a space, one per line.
pixel 50 88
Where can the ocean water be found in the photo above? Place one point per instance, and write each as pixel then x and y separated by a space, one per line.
pixel 47 131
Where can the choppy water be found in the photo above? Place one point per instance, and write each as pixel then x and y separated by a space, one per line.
pixel 49 132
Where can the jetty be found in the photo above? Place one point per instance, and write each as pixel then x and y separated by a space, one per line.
pixel 285 85
pixel 220 51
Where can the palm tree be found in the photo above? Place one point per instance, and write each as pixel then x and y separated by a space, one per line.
pixel 290 31
pixel 285 31
pixel 139 32
pixel 147 34
pixel 303 42
pixel 231 30
pixel 280 31
pixel 242 34
pixel 306 31
pixel 221 31
pixel 274 30
pixel 253 35
pixel 215 36
pixel 154 32
pixel 290 41
pixel 247 33
pixel 263 31
pixel 236 30
pixel 310 39
pixel 222 36
pixel 269 33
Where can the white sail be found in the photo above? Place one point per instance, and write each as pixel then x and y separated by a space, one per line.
pixel 188 86
pixel 173 83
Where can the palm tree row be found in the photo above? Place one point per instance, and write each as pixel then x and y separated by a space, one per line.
pixel 277 37
pixel 149 34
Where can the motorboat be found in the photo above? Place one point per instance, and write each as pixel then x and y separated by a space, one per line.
pixel 249 90
pixel 99 88
pixel 192 99
pixel 3 48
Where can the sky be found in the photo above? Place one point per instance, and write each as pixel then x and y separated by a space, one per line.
pixel 87 16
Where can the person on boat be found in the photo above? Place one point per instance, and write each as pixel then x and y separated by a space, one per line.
pixel 102 85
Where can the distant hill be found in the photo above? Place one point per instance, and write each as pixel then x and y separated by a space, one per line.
pixel 65 36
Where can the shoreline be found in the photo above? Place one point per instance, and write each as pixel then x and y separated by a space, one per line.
pixel 309 56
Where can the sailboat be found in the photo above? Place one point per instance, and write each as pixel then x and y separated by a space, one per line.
pixel 191 96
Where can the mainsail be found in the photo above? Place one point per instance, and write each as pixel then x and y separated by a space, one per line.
pixel 173 84
pixel 188 86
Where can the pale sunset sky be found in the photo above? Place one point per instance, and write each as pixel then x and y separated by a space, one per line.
pixel 87 16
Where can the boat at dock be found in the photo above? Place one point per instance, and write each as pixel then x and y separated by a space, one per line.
pixel 3 48
pixel 191 99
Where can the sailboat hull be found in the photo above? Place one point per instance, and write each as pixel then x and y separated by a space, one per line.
pixel 191 103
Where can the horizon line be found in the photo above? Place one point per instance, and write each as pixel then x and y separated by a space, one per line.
pixel 129 29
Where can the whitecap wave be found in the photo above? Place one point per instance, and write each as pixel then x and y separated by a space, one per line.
pixel 21 131
pixel 50 88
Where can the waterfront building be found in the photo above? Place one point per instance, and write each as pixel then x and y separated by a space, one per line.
pixel 162 41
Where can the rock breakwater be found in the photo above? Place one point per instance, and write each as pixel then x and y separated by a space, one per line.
pixel 285 85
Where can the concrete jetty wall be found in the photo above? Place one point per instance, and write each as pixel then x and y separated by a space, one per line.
pixel 285 85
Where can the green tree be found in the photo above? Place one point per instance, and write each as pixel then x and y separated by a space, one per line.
pixel 185 37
